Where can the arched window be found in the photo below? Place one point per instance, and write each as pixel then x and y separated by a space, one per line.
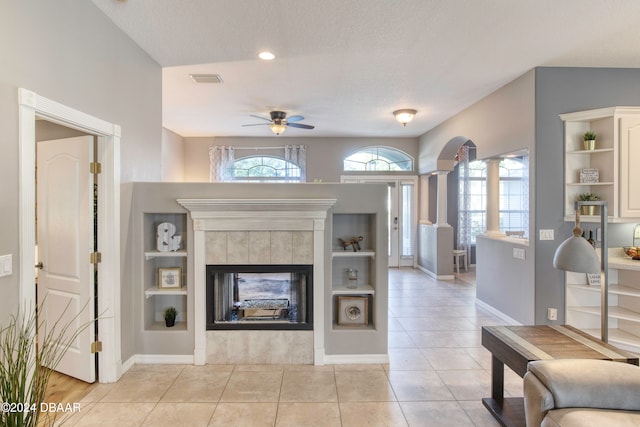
pixel 378 159
pixel 265 169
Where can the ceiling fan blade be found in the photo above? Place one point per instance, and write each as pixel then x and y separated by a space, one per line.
pixel 294 119
pixel 258 124
pixel 260 117
pixel 300 125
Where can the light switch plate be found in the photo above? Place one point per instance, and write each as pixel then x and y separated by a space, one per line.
pixel 546 234
pixel 6 265
pixel 519 253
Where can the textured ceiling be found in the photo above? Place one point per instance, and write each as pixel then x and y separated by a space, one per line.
pixel 347 64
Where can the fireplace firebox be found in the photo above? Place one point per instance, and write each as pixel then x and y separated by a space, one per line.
pixel 259 297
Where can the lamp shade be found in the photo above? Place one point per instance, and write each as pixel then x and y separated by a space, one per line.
pixel 404 116
pixel 277 128
pixel 577 255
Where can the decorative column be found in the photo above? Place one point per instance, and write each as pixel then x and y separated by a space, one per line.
pixel 493 198
pixel 441 220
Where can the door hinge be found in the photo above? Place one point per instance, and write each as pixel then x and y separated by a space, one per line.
pixel 96 347
pixel 95 168
pixel 95 258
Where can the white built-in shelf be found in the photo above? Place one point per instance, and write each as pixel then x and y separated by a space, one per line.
pixel 597 150
pixel 369 327
pixel 360 290
pixel 590 184
pixel 149 292
pixel 160 326
pixel 614 312
pixel 157 254
pixel 352 254
pixel 613 289
pixel 620 338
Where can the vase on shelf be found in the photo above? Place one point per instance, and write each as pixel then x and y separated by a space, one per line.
pixel 589 144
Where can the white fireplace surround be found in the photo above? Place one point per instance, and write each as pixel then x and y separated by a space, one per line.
pixel 274 214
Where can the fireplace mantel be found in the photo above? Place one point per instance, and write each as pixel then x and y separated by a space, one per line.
pixel 258 215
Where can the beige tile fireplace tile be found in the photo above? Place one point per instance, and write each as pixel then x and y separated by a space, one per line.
pixel 216 247
pixel 259 247
pixel 281 247
pixel 302 247
pixel 238 247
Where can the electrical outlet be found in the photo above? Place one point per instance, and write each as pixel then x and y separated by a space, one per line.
pixel 636 232
pixel 552 313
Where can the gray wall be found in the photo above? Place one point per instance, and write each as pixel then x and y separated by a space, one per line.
pixel 564 90
pixel 70 52
pixel 161 197
pixel 502 122
pixel 324 155
pixel 172 169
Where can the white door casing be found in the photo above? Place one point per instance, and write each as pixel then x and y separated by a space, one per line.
pixel 65 242
pixel 396 204
pixel 30 106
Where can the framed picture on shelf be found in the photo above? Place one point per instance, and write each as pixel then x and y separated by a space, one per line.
pixel 169 278
pixel 353 310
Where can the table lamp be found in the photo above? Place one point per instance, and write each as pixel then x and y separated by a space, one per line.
pixel 577 255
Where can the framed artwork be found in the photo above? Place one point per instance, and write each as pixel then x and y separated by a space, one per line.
pixel 353 310
pixel 169 278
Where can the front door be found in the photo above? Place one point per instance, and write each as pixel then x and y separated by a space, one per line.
pixel 402 224
pixel 65 241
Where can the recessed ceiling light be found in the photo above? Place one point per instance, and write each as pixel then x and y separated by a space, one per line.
pixel 266 55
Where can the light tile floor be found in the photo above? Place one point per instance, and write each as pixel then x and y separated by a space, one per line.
pixel 437 375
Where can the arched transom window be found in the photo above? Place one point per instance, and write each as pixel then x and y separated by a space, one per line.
pixel 265 169
pixel 378 159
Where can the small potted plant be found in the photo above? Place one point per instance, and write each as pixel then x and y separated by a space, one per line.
pixel 588 197
pixel 589 139
pixel 170 316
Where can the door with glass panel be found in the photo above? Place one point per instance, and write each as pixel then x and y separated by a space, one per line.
pixel 402 226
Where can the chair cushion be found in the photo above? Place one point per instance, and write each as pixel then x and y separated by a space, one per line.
pixel 588 383
pixel 587 417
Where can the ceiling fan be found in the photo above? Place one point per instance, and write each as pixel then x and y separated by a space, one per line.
pixel 279 122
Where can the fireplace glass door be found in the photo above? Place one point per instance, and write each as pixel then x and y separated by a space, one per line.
pixel 259 296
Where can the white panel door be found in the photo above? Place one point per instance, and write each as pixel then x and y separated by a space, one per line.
pixel 65 242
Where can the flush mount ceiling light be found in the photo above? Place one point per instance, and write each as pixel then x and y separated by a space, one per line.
pixel 404 116
pixel 266 55
pixel 277 128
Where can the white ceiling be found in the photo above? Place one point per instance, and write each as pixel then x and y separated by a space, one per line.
pixel 347 64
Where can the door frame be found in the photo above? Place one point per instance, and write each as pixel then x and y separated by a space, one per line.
pixel 30 106
pixel 399 180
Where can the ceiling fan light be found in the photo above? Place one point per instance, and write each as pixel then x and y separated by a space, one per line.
pixel 404 116
pixel 277 128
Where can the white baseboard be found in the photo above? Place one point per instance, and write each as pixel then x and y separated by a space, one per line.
pixel 351 359
pixel 166 359
pixel 435 276
pixel 508 320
